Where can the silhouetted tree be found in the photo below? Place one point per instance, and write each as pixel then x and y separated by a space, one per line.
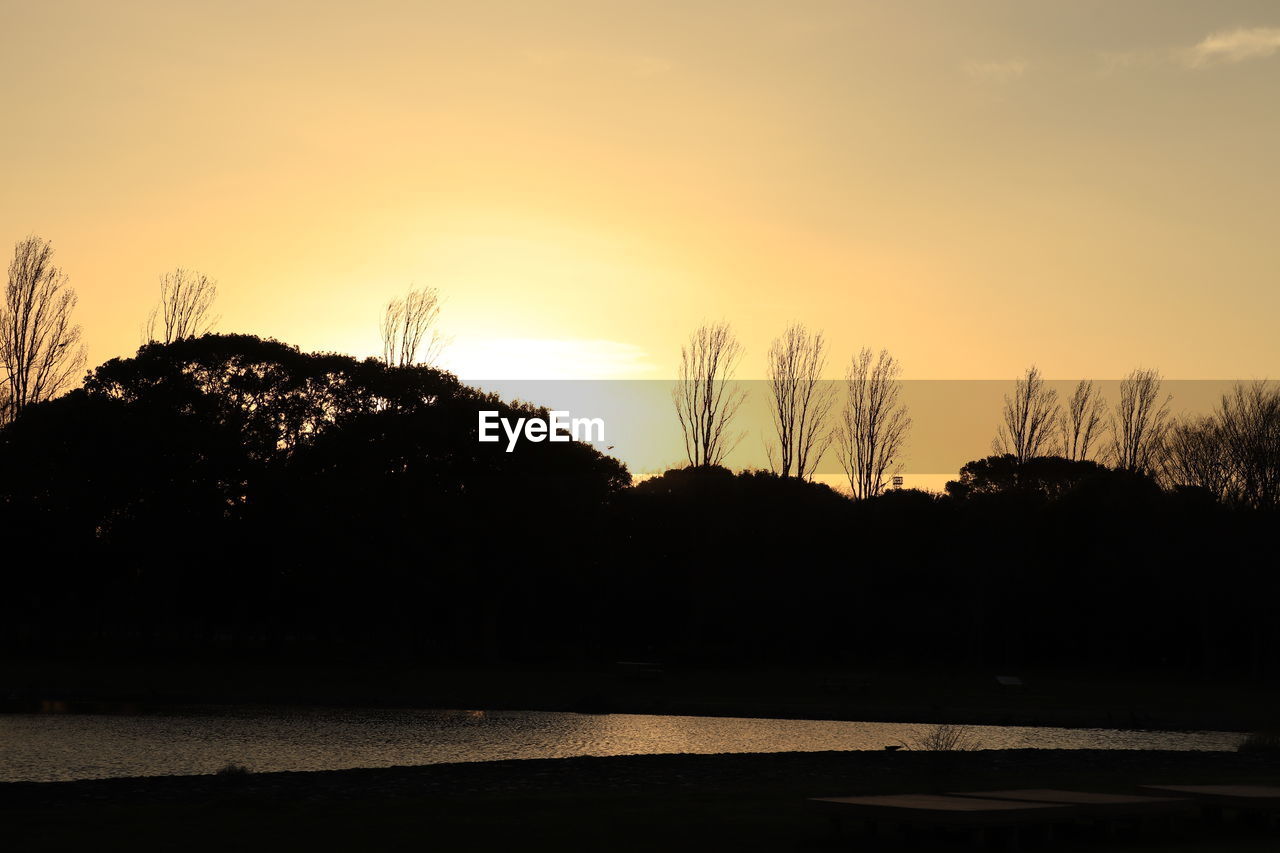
pixel 1232 453
pixel 408 329
pixel 1040 476
pixel 1195 455
pixel 275 396
pixel 1028 419
pixel 1139 423
pixel 1248 422
pixel 185 307
pixel 1080 423
pixel 872 427
pixel 706 400
pixel 232 485
pixel 228 497
pixel 801 401
pixel 40 346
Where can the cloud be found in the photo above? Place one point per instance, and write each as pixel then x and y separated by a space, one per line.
pixel 1238 45
pixel 1001 71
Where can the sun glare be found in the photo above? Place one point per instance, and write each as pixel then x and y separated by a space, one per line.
pixel 547 358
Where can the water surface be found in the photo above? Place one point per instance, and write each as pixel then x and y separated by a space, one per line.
pixel 51 747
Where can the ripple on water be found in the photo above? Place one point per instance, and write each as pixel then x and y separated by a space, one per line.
pixel 53 747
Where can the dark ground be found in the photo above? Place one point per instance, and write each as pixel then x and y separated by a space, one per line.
pixel 669 802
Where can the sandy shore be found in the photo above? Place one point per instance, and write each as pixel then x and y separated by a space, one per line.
pixel 815 772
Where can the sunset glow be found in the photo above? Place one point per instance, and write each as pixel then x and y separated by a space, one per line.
pixel 633 425
pixel 618 172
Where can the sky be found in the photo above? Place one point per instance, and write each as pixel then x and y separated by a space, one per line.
pixel 1087 186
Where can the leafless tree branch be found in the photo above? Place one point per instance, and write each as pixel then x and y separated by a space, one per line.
pixel 1195 455
pixel 1028 419
pixel 872 428
pixel 185 309
pixel 40 347
pixel 706 400
pixel 409 335
pixel 1080 423
pixel 1140 423
pixel 801 401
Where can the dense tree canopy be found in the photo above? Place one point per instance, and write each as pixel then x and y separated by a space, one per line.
pixel 228 494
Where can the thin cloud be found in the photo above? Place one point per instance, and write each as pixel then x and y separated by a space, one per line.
pixel 1231 46
pixel 999 71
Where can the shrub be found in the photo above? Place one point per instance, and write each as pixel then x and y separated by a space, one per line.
pixel 233 769
pixel 946 738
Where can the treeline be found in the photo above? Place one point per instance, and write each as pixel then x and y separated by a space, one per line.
pixel 234 496
pixel 41 353
pixel 1233 452
pixel 231 490
pixel 224 494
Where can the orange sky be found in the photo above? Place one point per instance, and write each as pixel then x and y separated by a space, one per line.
pixel 1091 186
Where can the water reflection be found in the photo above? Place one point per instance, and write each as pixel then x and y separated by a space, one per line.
pixel 48 747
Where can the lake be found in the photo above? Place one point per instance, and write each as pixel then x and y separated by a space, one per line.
pixel 184 741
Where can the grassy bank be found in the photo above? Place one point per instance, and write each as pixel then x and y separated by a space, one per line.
pixel 1058 698
pixel 674 802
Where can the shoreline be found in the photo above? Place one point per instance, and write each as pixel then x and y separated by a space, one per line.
pixel 742 802
pixel 1146 722
pixel 864 770
pixel 1059 700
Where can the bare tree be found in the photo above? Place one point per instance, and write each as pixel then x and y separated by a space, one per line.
pixel 408 329
pixel 1028 419
pixel 872 427
pixel 1140 423
pixel 1233 452
pixel 1248 423
pixel 1080 424
pixel 185 309
pixel 706 401
pixel 40 347
pixel 801 400
pixel 1195 455
pixel 946 737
